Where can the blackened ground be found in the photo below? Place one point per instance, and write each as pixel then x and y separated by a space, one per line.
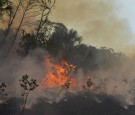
pixel 82 105
pixel 73 105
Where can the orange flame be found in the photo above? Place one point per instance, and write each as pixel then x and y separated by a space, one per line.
pixel 58 74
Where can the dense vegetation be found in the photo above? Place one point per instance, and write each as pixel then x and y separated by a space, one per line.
pixel 62 44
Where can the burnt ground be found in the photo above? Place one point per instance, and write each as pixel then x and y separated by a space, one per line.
pixel 73 105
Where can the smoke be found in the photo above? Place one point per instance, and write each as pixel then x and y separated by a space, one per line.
pixel 14 67
pixel 118 80
pixel 118 83
pixel 114 81
pixel 97 21
pixel 115 73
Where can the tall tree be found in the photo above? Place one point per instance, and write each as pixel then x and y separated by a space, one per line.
pixel 32 14
pixel 42 7
pixel 62 39
pixel 56 39
pixel 11 20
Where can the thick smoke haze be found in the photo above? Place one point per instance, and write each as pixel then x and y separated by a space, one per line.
pixel 97 21
pixel 14 67
pixel 112 73
pixel 117 81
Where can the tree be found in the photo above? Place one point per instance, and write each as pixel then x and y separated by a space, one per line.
pixel 10 21
pixel 5 8
pixel 57 39
pixel 27 9
pixel 27 86
pixel 29 42
pixel 62 39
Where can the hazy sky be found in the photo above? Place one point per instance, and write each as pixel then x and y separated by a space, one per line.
pixel 101 22
pixel 127 10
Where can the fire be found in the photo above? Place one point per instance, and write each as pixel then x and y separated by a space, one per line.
pixel 58 74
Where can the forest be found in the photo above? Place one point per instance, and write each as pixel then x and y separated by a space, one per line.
pixel 47 69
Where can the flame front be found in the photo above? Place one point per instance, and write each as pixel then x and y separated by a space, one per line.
pixel 58 74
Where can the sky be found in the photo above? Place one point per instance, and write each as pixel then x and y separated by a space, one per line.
pixel 127 11
pixel 101 23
